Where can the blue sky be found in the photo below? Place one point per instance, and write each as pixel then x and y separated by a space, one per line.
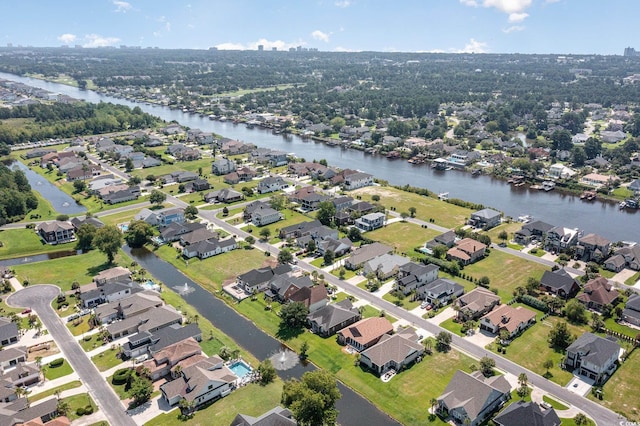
pixel 481 26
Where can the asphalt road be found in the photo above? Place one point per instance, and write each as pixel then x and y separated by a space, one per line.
pixel 38 298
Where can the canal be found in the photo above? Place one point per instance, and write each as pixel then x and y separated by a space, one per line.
pixel 552 207
pixel 354 409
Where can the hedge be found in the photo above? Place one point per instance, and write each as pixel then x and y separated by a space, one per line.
pixel 121 376
pixel 534 303
pixel 56 363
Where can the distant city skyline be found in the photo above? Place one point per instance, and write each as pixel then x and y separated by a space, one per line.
pixel 454 26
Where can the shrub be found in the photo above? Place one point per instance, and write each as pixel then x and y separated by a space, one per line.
pixel 121 376
pixel 88 409
pixel 56 363
pixel 534 303
pixel 80 411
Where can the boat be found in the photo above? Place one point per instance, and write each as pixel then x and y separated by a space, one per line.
pixel 622 205
pixel 631 203
pixel 444 196
pixel 476 172
pixel 548 185
pixel 439 164
pixel 525 218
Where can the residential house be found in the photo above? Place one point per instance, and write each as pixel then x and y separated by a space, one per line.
pixel 271 184
pixel 299 229
pixel 200 383
pixel 148 162
pixel 179 177
pixel 631 311
pixel 112 275
pixel 83 172
pixel 532 231
pixel 223 166
pixel 342 203
pixel 12 356
pixel 150 321
pixel 314 298
pixel 311 201
pixel 446 239
pixel 164 360
pixel 615 263
pixel 108 292
pixel 593 357
pixel 338 247
pixel 467 251
pixel 78 221
pixel 593 247
pixel 560 171
pixel 257 280
pixel 318 235
pixel 197 185
pixel 182 152
pixel 440 292
pixel 414 275
pixel 471 399
pixel 485 219
pixel 361 208
pixel 21 375
pixel 609 136
pixel 333 317
pixel 265 215
pixel 521 413
pixel 365 333
pixel 119 194
pixel 365 253
pixel 56 232
pixel 506 317
pixel 559 282
pixel 357 180
pixel 125 308
pixel 277 416
pixel 370 221
pixel 560 239
pixel 597 180
pixel 22 412
pixel 174 231
pixel 146 342
pixel 385 266
pixel 232 147
pixel 197 236
pixel 225 195
pixel 394 352
pixel 631 255
pixel 208 248
pixel 476 303
pixel 634 186
pixel 8 332
pixel 597 293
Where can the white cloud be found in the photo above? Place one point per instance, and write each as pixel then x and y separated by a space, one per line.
pixel 472 3
pixel 319 35
pixel 513 28
pixel 343 49
pixel 343 3
pixel 122 6
pixel 508 6
pixel 67 38
pixel 517 17
pixel 96 40
pixel 268 45
pixel 474 46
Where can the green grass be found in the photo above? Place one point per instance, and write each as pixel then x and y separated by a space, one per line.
pixel 25 242
pixel 347 273
pixel 90 341
pixel 44 211
pixel 406 303
pixel 555 404
pixel 621 390
pixel 52 373
pixel 253 400
pixel 77 401
pixel 452 326
pixel 290 218
pixel 632 280
pixel 571 422
pixel 611 324
pixel 318 263
pixel 107 359
pixel 49 392
pixel 403 236
pixel 117 218
pixel 509 227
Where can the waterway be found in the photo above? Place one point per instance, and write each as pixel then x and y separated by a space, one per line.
pixel 354 409
pixel 60 201
pixel 603 218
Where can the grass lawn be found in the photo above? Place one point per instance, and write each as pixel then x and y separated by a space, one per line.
pixel 25 242
pixel 116 218
pixel 65 270
pixel 66 386
pixel 340 296
pixel 52 373
pixel 571 422
pixel 444 214
pixel 505 271
pixel 509 227
pixel 622 389
pixel 90 342
pixel 452 326
pixel 211 272
pixel 290 218
pixel 347 273
pixel 107 359
pixel 555 404
pixel 252 400
pixel 44 211
pixel 611 324
pixel 406 303
pixel 76 401
pixel 632 280
pixel 403 236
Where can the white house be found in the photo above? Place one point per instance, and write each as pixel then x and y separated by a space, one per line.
pixel 370 221
pixel 357 180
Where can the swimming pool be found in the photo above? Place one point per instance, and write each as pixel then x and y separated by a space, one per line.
pixel 240 369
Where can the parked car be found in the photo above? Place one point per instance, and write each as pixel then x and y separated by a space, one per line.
pixel 72 317
pixel 26 311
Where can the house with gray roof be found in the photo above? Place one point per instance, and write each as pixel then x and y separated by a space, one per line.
pixel 393 352
pixel 115 274
pixel 440 292
pixel 593 357
pixel 333 317
pixel 56 232
pixel 265 216
pixel 365 253
pixel 8 332
pixel 258 279
pixel 485 219
pixel 271 184
pixel 631 311
pixel 593 247
pixel 536 230
pixel 78 221
pixel 108 292
pixel 447 239
pixel 174 231
pixel 385 266
pixel 521 413
pixel 150 320
pixel 472 398
pixel 299 229
pixel 225 195
pixel 370 221
pixel 414 275
pixel 151 342
pixel 560 282
pixel 223 166
pixel 357 180
pixel 210 247
pixel 476 303
pixel 131 306
pixel 277 416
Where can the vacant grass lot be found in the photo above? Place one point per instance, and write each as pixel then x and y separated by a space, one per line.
pixel 25 242
pixel 620 393
pixel 444 214
pixel 51 373
pixel 44 211
pixel 290 218
pixel 77 401
pixel 107 359
pixel 117 218
pixel 403 236
pixel 509 227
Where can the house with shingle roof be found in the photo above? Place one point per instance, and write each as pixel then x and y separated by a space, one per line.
pixel 476 303
pixel 467 251
pixel 133 305
pixel 365 253
pixel 144 342
pixel 115 274
pixel 472 398
pixel 56 232
pixel 593 357
pixel 8 332
pixel 559 282
pixel 385 266
pixel 259 279
pixel 485 219
pixel 506 317
pixel 392 352
pixel 365 333
pixel 327 320
pixel 521 413
pixel 536 230
pixel 277 416
pixel 163 361
pixel 631 311
pixel 440 292
pixel 150 321
pixel 593 247
pixel 597 293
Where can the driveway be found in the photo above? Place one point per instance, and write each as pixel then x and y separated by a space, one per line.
pixel 580 385
pixel 38 298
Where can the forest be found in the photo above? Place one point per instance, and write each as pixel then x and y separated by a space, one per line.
pixel 16 198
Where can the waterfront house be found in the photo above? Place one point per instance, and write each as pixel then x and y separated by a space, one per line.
pixel 476 303
pixel 467 251
pixel 560 239
pixel 365 333
pixel 314 298
pixel 485 219
pixel 394 352
pixel 165 360
pixel 365 253
pixel 593 247
pixel 506 317
pixel 150 321
pixel 257 280
pixel 597 293
pixel 210 247
pixel 357 180
pixel 175 230
pixel 56 232
pixel 532 231
pixel 152 342
pixel 283 286
pixel 631 255
pixel 593 357
pixel 78 221
pixel 560 283
pixel 560 171
pixel 327 320
pixel 521 413
pixel 615 263
pixel 440 292
pixel 115 274
pixel 107 292
pixel 631 311
pixel 470 399
pixel 370 222
pixel 597 180
pixel 277 416
pixel 125 308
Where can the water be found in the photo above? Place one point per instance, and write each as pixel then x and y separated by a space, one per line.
pixel 183 289
pixel 37 258
pixel 240 369
pixel 284 359
pixel 354 409
pixel 60 201
pixel 552 207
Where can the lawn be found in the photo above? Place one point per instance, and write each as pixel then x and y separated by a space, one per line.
pixel 611 324
pixel 211 272
pixel 509 227
pixel 65 270
pixel 443 213
pixel 290 218
pixel 406 302
pixel 505 271
pixel 107 359
pixel 80 326
pixel 49 392
pixel 555 404
pixel 622 389
pixel 90 341
pixel 25 242
pixel 76 401
pixel 117 218
pixel 51 373
pixel 252 400
pixel 44 211
pixel 348 273
pixel 632 280
pixel 452 326
pixel 403 236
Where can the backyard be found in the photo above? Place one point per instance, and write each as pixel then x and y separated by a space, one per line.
pixel 622 389
pixel 26 242
pixel 404 237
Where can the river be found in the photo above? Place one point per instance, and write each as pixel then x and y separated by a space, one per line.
pixel 603 218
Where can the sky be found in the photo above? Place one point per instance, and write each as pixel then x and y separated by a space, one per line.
pixel 480 26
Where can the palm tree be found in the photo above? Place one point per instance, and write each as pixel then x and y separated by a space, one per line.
pixel 63 407
pixel 434 405
pixel 523 380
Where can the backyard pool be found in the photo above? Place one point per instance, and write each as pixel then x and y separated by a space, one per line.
pixel 240 369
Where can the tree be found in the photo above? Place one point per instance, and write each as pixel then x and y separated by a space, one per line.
pixel 191 212
pixel 503 235
pixel 312 399
pixel 278 202
pixel 337 123
pixel 84 236
pixel 128 165
pixel 329 257
pixel 79 185
pixel 326 212
pixel 285 256
pixel 186 408
pixel 265 233
pixel 439 251
pixel 267 372
pixel 293 315
pixel 579 156
pixel 140 390
pixel 547 365
pixel 581 420
pixel 592 147
pixel 375 198
pixel 62 407
pixel 250 240
pixel 311 246
pixel 532 286
pixel 486 366
pixel 303 350
pixel 108 240
pixel 138 233
pixel 157 197
pixel 354 234
pixel 575 311
pixel 225 211
pixel 559 336
pixel 443 341
pixel 596 322
pixel 404 216
pixel 412 211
